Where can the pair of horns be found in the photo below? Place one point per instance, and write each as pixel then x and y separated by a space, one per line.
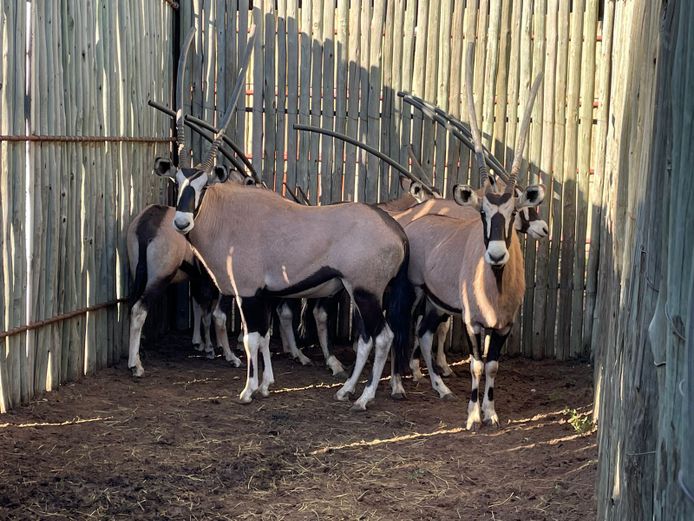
pixel 181 118
pixel 476 136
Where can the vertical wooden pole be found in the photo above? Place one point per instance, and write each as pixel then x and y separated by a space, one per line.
pixel 328 108
pixel 556 188
pixel 292 24
pixel 539 348
pixel 341 65
pixel 568 247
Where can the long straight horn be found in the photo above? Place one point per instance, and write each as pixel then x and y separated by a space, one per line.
pixel 212 154
pixel 180 120
pixel 476 137
pixel 523 135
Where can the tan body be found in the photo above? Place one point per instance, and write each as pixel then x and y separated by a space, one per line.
pixel 167 249
pixel 257 245
pixel 169 260
pixel 445 249
pixel 285 243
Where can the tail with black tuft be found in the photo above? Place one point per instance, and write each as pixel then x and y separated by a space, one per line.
pixel 401 297
pixel 140 282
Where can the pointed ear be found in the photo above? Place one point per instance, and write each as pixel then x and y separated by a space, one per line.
pixel 416 191
pixel 464 195
pixel 531 196
pixel 219 174
pixel 237 177
pixel 164 167
pixel 405 183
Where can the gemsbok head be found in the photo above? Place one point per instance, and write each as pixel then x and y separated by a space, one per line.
pixel 497 210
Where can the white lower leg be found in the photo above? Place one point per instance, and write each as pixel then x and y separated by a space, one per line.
pixel 197 316
pixel 220 327
pixel 287 334
pixel 417 374
pixel 207 336
pixel 441 335
pixel 251 343
pixel 474 418
pixel 488 412
pixel 382 345
pixel 268 376
pixel 321 318
pixel 363 350
pixel 138 315
pixel 396 389
pixel 436 381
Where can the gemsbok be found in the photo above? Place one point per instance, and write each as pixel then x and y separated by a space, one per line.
pixel 473 264
pixel 158 257
pixel 258 246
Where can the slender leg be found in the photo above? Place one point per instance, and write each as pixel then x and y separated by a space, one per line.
pixel 497 340
pixel 138 315
pixel 321 317
pixel 474 419
pixel 441 335
pixel 197 317
pixel 251 343
pixel 286 316
pixel 382 344
pixel 255 318
pixel 397 391
pixel 363 350
pixel 207 337
pixel 268 376
pixel 428 326
pixel 414 361
pixel 219 317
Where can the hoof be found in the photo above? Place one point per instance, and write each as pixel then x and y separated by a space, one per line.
pixel 398 396
pixel 342 397
pixel 474 426
pixel 417 377
pixel 342 375
pixel 137 372
pixel 209 354
pixel 198 347
pixel 358 407
pixel 263 392
pixel 449 397
pixel 493 423
pixel 306 363
pixel 449 373
pixel 246 398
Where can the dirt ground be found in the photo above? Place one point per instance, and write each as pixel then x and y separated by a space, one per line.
pixel 176 444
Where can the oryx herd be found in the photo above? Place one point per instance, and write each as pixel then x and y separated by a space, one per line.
pixel 407 264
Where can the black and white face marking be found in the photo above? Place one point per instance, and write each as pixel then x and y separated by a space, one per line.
pixel 191 185
pixel 528 221
pixel 498 213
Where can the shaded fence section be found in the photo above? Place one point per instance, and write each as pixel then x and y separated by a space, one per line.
pixel 643 332
pixel 340 64
pixel 76 149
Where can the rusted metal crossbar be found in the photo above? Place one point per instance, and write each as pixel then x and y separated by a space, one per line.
pixel 87 139
pixel 59 318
